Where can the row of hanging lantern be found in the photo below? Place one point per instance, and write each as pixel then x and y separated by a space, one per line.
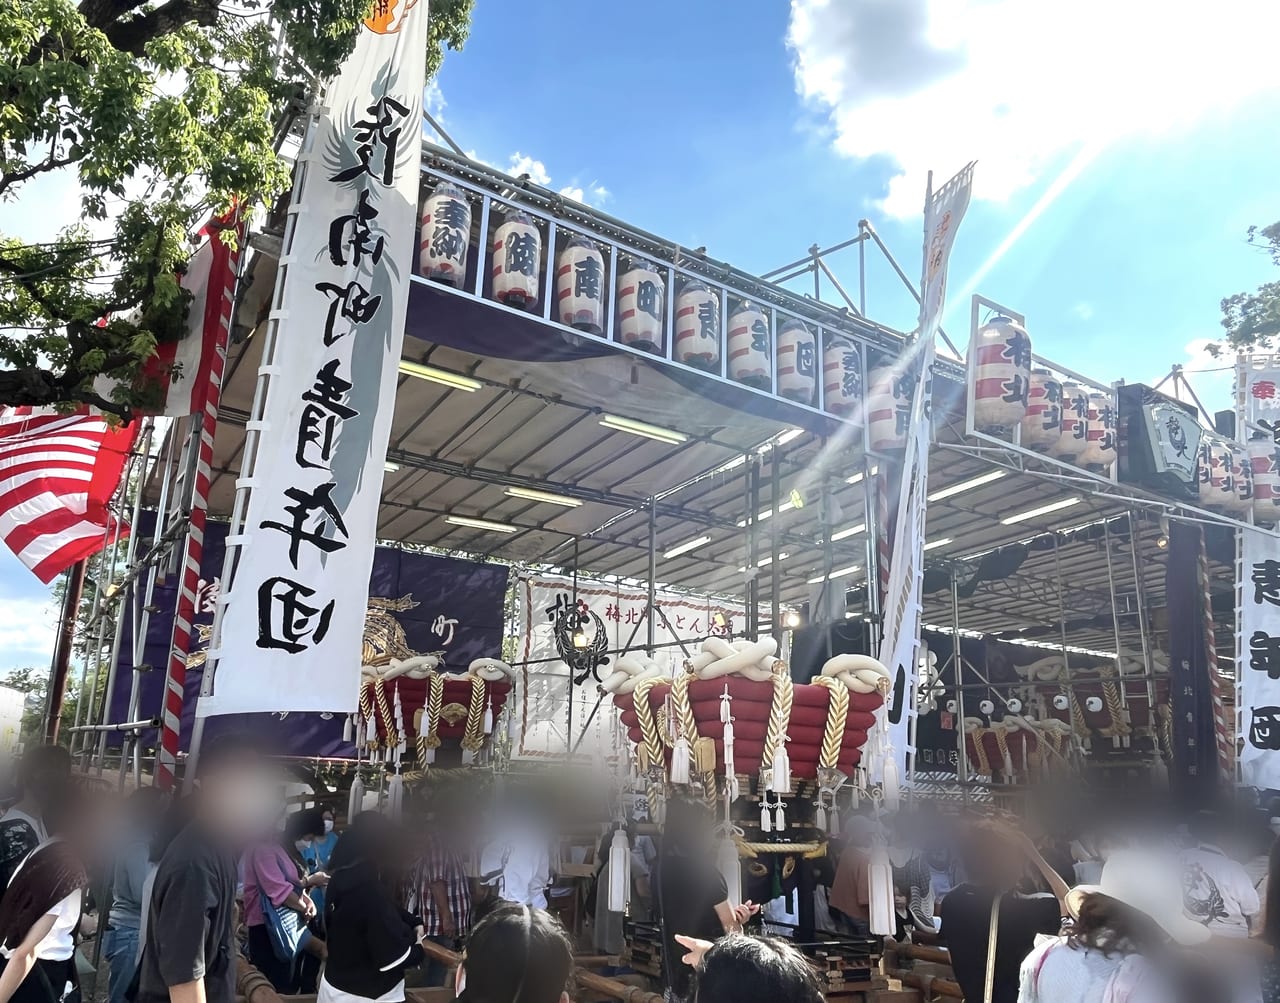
pixel 1055 416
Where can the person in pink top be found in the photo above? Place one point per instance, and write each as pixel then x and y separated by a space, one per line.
pixel 273 872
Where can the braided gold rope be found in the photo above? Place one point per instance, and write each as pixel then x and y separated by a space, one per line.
pixel 1165 731
pixel 650 737
pixel 473 734
pixel 682 709
pixel 807 850
pixel 1077 713
pixel 1002 743
pixel 980 752
pixel 837 716
pixel 435 699
pixel 779 717
pixel 388 722
pixel 366 709
pixel 1111 696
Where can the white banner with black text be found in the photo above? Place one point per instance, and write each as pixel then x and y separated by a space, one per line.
pixel 290 633
pixel 1258 666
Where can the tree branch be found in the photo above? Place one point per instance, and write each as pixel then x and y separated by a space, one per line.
pixel 50 163
pixel 133 35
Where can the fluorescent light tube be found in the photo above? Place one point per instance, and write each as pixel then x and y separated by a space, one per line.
pixel 1042 510
pixel 937 543
pixel 841 573
pixel 390 467
pixel 530 494
pixel 969 485
pixel 493 527
pixel 644 429
pixel 687 546
pixel 844 534
pixel 857 478
pixel 442 376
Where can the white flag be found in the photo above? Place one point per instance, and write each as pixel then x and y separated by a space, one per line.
pixel 290 636
pixel 900 641
pixel 1258 666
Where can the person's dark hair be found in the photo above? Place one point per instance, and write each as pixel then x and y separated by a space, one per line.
pixel 44 767
pixel 229 753
pixel 47 876
pixel 687 825
pixel 742 969
pixel 308 823
pixel 1108 925
pixel 1271 930
pixel 517 955
pixel 372 841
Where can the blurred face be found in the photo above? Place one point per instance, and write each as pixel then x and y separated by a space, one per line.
pixel 242 801
pixel 328 822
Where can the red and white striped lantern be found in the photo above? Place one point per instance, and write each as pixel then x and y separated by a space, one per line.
pixel 580 286
pixel 698 326
pixel 1071 435
pixel 749 346
pixel 641 293
pixel 1100 431
pixel 1217 479
pixel 842 376
pixel 445 237
pixel 888 409
pixel 797 361
pixel 1264 459
pixel 1042 424
pixel 1241 480
pixel 1000 371
pixel 517 260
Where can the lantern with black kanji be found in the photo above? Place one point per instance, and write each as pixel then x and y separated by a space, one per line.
pixel 1000 372
pixel 842 376
pixel 517 260
pixel 1264 459
pixel 1241 481
pixel 1042 424
pixel 1214 470
pixel 1099 450
pixel 888 408
pixel 749 346
pixel 580 286
pixel 797 361
pixel 445 236
pixel 641 295
pixel 1071 435
pixel 698 326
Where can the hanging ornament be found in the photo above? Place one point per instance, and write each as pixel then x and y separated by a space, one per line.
pixel 797 354
pixel 780 817
pixel 580 285
pixel 395 796
pixel 697 322
pixel 766 817
pixel 680 761
pixel 890 785
pixel 819 816
pixel 446 234
pixel 488 716
pixel 402 742
pixel 355 800
pixel 517 260
pixel 781 780
pixel 346 729
pixel 619 871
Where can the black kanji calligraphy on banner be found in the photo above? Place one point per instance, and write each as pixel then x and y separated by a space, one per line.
pixel 315 515
pixel 322 417
pixel 1266 582
pixel 1264 728
pixel 1264 653
pixel 352 302
pixel 351 237
pixel 377 138
pixel 285 621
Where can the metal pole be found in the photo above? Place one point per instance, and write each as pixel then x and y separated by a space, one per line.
pixel 872 553
pixel 753 548
pixel 1062 629
pixel 568 733
pixel 653 570
pixel 775 571
pixel 1140 593
pixel 1115 621
pixel 957 664
pixel 74 590
pixel 862 269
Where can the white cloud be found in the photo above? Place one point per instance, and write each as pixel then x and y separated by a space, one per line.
pixel 28 630
pixel 1083 311
pixel 932 84
pixel 520 164
pixel 593 194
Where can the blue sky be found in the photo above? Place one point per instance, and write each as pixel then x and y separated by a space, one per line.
pixel 757 129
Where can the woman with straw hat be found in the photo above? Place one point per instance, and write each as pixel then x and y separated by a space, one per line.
pixel 1123 927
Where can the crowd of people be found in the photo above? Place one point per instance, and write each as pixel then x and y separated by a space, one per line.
pixel 354 912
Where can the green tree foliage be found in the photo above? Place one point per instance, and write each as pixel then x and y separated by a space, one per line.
pixel 1252 320
pixel 166 110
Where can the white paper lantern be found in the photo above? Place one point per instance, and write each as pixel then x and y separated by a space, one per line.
pixel 1264 458
pixel 517 260
pixel 842 376
pixel 1214 469
pixel 698 326
pixel 1100 431
pixel 1000 372
pixel 1042 424
pixel 797 361
pixel 1071 436
pixel 1242 481
pixel 641 293
pixel 888 409
pixel 580 286
pixel 749 346
pixel 446 236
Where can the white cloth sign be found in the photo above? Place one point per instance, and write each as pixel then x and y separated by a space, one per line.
pixel 542 718
pixel 1258 665
pixel 900 642
pixel 290 635
pixel 1258 380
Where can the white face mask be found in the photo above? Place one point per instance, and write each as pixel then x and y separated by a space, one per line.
pixel 328 826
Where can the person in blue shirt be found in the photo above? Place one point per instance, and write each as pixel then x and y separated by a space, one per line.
pixel 316 852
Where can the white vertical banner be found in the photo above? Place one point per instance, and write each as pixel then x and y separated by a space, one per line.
pixel 1258 660
pixel 1258 390
pixel 900 639
pixel 289 637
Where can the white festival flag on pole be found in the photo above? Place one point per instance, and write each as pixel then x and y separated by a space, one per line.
pixel 900 640
pixel 289 637
pixel 1258 665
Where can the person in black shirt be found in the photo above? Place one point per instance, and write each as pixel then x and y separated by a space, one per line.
pixel 996 860
pixel 43 776
pixel 371 941
pixel 188 954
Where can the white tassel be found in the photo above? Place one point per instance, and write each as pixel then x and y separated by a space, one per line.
pixel 1160 774
pixel 1009 776
pixel 781 769
pixel 488 718
pixel 731 869
pixel 431 755
pixel 619 872
pixel 346 729
pixel 402 744
pixel 370 732
pixel 680 761
pixel 880 892
pixel 889 785
pixel 468 757
pixel 729 769
pixel 725 700
pixel 766 817
pixel 833 819
pixel 855 787
pixel 395 797
pixel 355 801
pixel 780 818
pixel 820 818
